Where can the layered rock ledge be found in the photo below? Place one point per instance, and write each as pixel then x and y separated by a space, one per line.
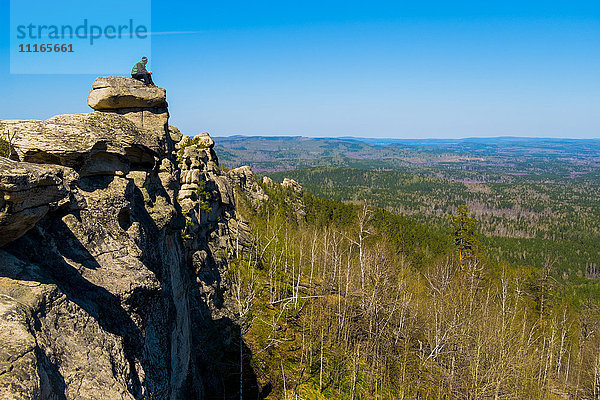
pixel 113 92
pixel 93 144
pixel 146 106
pixel 27 193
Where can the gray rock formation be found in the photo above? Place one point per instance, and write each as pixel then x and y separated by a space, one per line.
pixel 244 178
pixel 113 92
pixel 93 144
pixel 291 184
pixel 27 193
pixel 114 243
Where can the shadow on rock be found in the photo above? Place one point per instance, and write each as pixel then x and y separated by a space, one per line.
pixel 49 254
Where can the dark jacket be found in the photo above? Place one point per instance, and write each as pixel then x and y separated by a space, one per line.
pixel 139 68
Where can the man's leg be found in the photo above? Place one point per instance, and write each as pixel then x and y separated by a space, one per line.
pixel 148 79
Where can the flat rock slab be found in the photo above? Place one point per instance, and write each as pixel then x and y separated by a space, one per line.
pixel 113 92
pixel 92 144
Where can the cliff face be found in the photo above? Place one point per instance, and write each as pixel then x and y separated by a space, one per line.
pixel 115 231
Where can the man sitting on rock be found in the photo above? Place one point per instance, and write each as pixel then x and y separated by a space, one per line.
pixel 139 72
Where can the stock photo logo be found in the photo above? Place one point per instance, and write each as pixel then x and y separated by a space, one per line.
pixel 74 37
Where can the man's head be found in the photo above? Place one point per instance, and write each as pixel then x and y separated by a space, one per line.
pixel 144 60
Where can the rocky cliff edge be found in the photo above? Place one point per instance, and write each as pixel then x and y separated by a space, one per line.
pixel 115 232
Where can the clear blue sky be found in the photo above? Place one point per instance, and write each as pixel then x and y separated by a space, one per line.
pixel 361 68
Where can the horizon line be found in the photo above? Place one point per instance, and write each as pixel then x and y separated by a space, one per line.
pixel 404 138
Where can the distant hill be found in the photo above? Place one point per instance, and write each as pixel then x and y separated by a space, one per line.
pixel 542 157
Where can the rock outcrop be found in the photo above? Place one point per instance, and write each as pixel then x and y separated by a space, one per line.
pixel 115 236
pixel 291 184
pixel 92 144
pixel 27 193
pixel 144 105
pixel 114 92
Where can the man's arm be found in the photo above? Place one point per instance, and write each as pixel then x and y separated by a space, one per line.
pixel 141 69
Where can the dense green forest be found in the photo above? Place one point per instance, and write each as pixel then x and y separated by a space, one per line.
pixel 523 223
pixel 350 301
pixel 461 269
pixel 535 199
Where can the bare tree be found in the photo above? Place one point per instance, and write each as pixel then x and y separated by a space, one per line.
pixel 243 289
pixel 7 143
